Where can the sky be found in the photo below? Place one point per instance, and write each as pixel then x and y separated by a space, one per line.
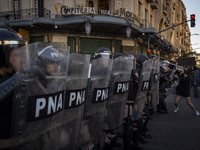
pixel 193 7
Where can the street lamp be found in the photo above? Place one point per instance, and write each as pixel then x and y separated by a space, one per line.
pixel 128 32
pixel 88 28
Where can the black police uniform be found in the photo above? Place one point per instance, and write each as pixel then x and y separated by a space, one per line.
pixel 6 81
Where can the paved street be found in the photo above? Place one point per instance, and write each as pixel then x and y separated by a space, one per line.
pixel 175 131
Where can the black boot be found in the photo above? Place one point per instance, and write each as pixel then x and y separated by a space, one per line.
pixel 135 141
pixel 128 129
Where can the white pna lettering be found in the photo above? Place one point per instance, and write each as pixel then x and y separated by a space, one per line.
pixel 102 95
pixel 76 98
pixel 145 85
pixel 52 103
pixel 122 87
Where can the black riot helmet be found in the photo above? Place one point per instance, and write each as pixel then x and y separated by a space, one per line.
pixel 140 58
pixel 47 55
pixel 103 52
pixel 116 55
pixel 9 40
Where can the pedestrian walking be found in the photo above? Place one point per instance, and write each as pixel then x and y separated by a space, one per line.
pixel 183 90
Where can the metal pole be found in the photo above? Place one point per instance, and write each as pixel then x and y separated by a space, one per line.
pixel 149 42
pixel 164 30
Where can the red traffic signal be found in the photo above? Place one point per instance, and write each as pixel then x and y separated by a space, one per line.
pixel 192 18
pixel 148 50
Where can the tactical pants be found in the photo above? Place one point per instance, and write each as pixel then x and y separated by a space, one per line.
pixel 132 132
pixel 145 117
pixel 162 107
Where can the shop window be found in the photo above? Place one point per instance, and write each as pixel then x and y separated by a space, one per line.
pixel 71 43
pixel 90 45
pixel 36 39
pixel 103 4
pixel 118 44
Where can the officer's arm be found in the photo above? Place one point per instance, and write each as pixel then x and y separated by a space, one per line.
pixel 8 86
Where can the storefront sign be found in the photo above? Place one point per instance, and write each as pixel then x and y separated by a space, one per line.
pixel 66 11
pixel 127 14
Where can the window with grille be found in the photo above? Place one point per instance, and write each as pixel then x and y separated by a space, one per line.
pixel 17 5
pixel 39 5
pixel 17 8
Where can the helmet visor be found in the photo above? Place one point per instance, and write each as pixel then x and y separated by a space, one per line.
pixel 102 55
pixel 7 48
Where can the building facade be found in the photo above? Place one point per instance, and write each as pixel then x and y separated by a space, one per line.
pixel 198 59
pixel 125 26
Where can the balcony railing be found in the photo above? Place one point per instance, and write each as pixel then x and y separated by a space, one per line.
pixel 26 14
pixel 30 14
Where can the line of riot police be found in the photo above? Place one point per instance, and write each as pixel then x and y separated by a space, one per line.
pixel 52 101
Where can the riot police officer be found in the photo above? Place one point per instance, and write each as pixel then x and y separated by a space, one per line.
pixel 134 122
pixel 45 61
pixel 11 62
pixel 98 81
pixel 111 122
pixel 48 59
pixel 166 76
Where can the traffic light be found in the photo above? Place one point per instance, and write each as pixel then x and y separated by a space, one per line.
pixel 148 52
pixel 192 18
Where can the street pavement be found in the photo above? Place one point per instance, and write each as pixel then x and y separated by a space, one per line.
pixel 174 131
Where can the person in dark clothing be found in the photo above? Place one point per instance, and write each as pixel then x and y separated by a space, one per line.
pixel 133 125
pixel 11 62
pixel 166 69
pixel 183 90
pixel 196 79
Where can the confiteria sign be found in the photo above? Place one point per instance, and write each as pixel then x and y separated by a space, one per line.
pixel 66 11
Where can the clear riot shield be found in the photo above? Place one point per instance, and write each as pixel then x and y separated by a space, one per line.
pixel 121 73
pixel 38 101
pixel 154 83
pixel 98 94
pixel 143 86
pixel 76 84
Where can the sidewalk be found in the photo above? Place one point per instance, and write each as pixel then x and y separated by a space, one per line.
pixel 174 131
